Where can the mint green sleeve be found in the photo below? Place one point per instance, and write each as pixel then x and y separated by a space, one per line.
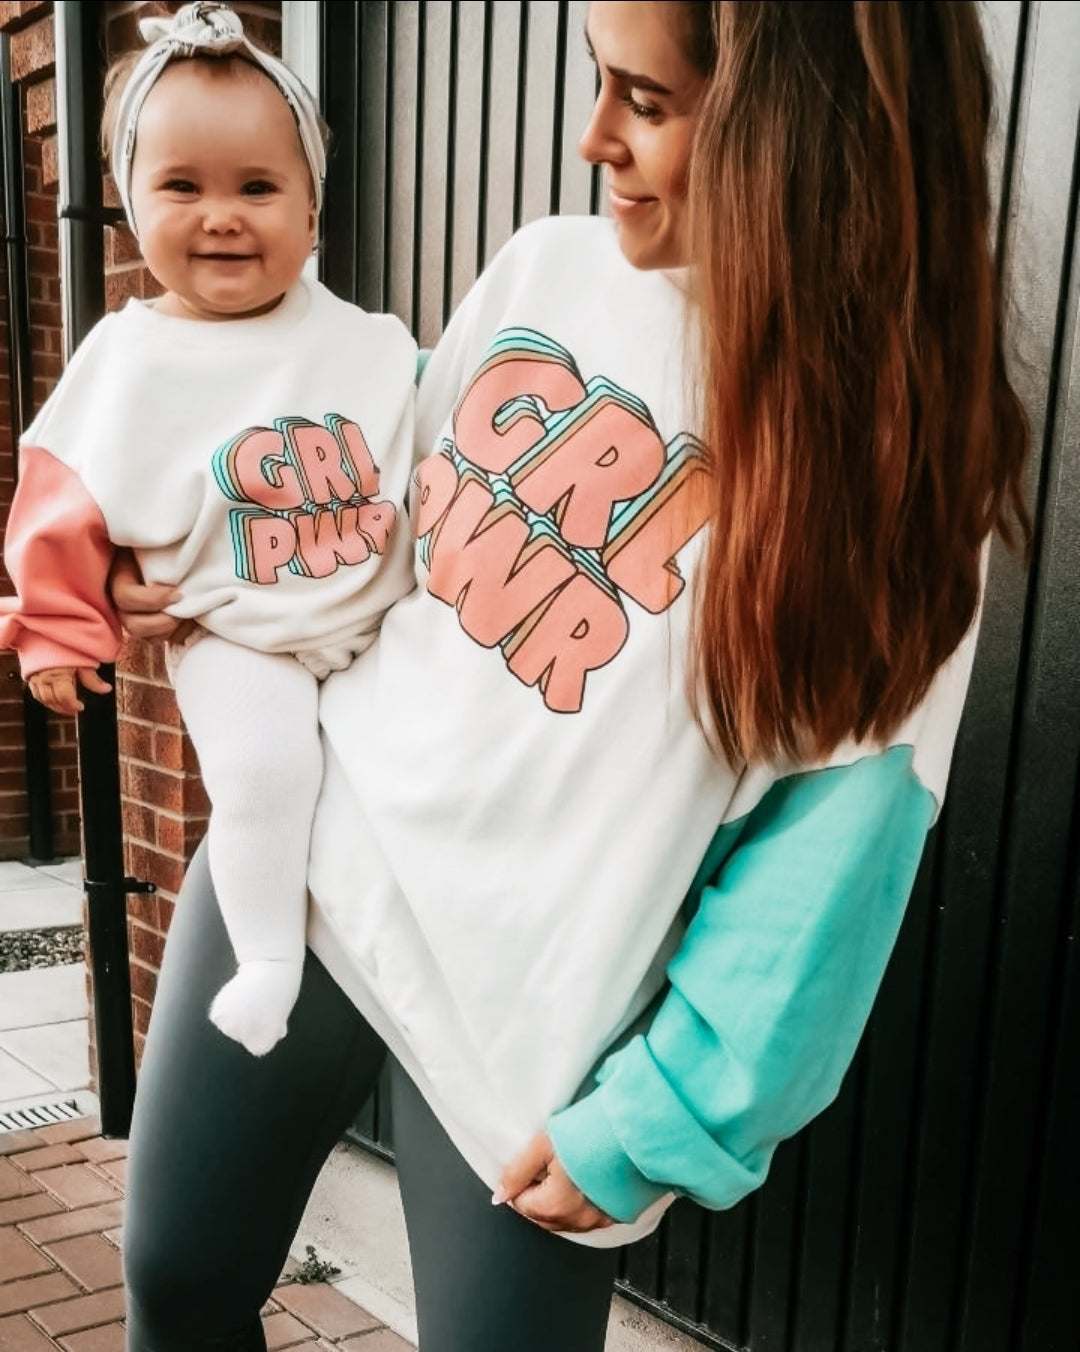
pixel 769 992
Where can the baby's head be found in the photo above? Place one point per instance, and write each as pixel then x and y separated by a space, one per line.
pixel 218 154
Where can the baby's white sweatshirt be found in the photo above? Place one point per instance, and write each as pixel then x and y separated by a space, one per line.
pixel 260 465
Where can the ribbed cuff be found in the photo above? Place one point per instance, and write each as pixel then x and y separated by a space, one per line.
pixel 591 1154
pixel 39 654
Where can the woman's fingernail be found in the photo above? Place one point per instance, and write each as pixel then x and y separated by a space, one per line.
pixel 499 1196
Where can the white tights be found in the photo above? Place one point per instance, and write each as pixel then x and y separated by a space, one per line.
pixel 253 718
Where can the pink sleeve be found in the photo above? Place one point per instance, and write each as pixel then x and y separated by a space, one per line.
pixel 58 554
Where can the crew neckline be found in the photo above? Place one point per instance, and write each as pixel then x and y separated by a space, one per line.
pixel 227 333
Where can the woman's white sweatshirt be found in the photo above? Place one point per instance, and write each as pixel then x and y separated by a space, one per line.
pixel 529 869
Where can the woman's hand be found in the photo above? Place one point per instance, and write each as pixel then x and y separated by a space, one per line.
pixel 58 687
pixel 141 605
pixel 539 1188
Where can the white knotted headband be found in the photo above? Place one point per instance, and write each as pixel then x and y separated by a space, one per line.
pixel 206 29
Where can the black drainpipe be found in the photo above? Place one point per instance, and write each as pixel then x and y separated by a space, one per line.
pixel 35 718
pixel 82 273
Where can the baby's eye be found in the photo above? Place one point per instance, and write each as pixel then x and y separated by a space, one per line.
pixel 258 187
pixel 183 185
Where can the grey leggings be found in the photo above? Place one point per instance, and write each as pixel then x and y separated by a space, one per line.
pixel 225 1148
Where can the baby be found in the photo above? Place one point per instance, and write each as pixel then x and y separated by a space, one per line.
pixel 249 436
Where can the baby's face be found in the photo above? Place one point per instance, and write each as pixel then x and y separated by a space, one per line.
pixel 221 191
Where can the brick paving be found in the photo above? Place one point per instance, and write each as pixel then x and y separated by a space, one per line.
pixel 61 1197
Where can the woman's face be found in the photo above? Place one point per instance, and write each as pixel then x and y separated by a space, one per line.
pixel 642 125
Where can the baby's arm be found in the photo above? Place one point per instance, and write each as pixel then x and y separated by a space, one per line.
pixel 57 687
pixel 58 553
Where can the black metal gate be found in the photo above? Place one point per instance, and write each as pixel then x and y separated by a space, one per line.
pixel 936 1206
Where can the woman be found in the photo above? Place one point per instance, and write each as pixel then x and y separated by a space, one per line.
pixel 622 812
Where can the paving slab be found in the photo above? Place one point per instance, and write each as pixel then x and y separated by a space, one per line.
pixel 87 1220
pixel 17 1296
pixel 326 1310
pixel 19 1084
pixel 98 1149
pixel 76 1129
pixel 58 1052
pixel 47 1157
pixel 42 995
pixel 77 1185
pixel 68 871
pixel 40 907
pixel 15 876
pixel 17 1209
pixel 91 1260
pixel 83 1312
pixel 382 1340
pixel 283 1330
pixel 17 1334
pixel 105 1338
pixel 18 1257
pixel 13 1182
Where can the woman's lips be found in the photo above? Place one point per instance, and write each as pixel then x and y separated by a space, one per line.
pixel 627 204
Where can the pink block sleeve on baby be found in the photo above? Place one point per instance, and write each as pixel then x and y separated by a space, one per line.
pixel 58 555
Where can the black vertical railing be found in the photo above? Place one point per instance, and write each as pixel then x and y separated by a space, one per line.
pixel 82 269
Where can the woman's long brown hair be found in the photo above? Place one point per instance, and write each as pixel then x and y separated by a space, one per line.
pixel 863 433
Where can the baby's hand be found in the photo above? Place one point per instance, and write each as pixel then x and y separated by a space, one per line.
pixel 57 687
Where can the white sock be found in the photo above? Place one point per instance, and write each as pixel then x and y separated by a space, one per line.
pixel 253 1008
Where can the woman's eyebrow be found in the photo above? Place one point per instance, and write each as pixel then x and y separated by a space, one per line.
pixel 638 81
pixel 628 76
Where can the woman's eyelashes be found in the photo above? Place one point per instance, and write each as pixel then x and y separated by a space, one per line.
pixel 648 112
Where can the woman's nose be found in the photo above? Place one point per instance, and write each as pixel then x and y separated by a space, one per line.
pixel 599 143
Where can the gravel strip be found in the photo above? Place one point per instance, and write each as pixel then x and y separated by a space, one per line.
pixel 22 949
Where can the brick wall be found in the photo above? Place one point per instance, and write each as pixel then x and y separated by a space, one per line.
pixel 164 807
pixel 30 29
